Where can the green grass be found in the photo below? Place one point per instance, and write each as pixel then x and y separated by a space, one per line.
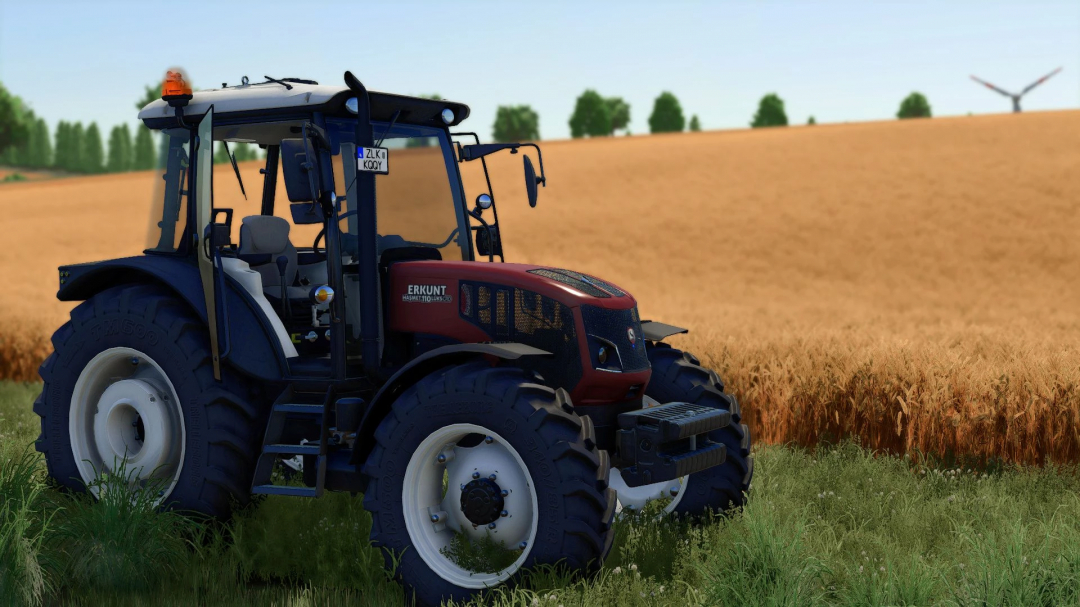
pixel 839 526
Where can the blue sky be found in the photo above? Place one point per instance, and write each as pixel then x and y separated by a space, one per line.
pixel 838 61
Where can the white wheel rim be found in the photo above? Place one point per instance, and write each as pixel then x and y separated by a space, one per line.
pixel 124 409
pixel 422 499
pixel 635 499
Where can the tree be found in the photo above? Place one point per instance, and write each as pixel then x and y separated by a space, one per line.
pixel 93 155
pixel 60 153
pixel 75 148
pixel 13 129
pixel 591 117
pixel 770 112
pixel 515 123
pixel 119 150
pixel 45 149
pixel 695 124
pixel 619 111
pixel 914 105
pixel 667 116
pixel 143 157
pixel 152 94
pixel 811 121
pixel 221 156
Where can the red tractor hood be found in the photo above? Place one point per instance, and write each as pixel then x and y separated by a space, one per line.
pixel 437 282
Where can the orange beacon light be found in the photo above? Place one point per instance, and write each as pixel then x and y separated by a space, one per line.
pixel 175 90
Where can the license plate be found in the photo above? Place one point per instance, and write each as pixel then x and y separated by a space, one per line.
pixel 373 160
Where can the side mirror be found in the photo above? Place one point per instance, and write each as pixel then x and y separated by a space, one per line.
pixel 487 242
pixel 531 181
pixel 483 201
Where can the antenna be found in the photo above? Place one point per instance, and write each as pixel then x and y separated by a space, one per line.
pixel 1016 96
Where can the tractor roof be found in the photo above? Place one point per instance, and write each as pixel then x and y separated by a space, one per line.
pixel 284 99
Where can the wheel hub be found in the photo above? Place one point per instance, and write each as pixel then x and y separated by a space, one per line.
pixel 482 501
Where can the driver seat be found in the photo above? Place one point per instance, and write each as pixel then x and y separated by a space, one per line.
pixel 264 239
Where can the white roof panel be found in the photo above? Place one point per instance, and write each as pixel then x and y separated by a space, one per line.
pixel 243 98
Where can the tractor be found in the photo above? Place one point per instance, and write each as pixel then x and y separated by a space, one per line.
pixel 397 356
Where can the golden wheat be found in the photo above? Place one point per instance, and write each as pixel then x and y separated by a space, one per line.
pixel 913 283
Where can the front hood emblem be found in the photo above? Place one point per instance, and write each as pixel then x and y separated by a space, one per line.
pixel 631 335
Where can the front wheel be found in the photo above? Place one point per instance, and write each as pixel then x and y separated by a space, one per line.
pixel 477 473
pixel 678 376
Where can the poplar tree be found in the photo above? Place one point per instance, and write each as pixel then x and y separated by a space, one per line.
pixel 143 155
pixel 93 156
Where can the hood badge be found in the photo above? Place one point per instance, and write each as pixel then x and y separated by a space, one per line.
pixel 631 336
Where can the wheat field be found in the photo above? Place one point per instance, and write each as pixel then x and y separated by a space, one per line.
pixel 914 283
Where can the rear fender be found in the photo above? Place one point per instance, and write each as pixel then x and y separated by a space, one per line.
pixel 419 368
pixel 254 351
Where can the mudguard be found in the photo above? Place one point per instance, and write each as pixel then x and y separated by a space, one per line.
pixel 418 368
pixel 252 346
pixel 657 331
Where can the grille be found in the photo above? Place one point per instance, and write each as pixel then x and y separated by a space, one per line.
pixel 612 325
pixel 590 285
pixel 523 316
pixel 566 279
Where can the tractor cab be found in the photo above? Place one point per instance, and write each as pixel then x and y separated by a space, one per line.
pixel 308 241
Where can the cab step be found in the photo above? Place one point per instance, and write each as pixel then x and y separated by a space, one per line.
pixel 291 405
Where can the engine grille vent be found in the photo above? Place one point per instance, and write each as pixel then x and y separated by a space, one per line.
pixel 523 316
pixel 582 282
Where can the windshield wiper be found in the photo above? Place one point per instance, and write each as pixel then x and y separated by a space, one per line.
pixel 288 87
pixel 235 168
pixel 393 121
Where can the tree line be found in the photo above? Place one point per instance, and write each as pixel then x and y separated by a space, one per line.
pixel 26 142
pixel 598 116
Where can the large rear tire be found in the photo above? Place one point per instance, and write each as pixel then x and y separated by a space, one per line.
pixel 131 380
pixel 480 453
pixel 679 376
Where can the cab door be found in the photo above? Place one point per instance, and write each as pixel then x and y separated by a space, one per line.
pixel 204 200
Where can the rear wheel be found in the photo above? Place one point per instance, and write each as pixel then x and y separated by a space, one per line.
pixel 478 472
pixel 131 382
pixel 678 376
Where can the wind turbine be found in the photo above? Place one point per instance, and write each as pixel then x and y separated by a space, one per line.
pixel 1016 96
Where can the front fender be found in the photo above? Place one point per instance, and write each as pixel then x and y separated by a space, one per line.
pixel 255 350
pixel 418 368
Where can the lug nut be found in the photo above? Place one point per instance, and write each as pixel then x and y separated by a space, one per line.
pixel 462 486
pixel 491 477
pixel 134 361
pixel 475 475
pixel 491 526
pixel 504 514
pixel 523 545
pixel 505 492
pixel 489 440
pixel 441 459
pixel 674 490
pixel 435 518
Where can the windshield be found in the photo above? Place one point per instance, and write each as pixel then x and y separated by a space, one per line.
pixel 419 202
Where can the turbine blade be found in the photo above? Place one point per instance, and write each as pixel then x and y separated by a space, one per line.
pixel 992 87
pixel 1039 81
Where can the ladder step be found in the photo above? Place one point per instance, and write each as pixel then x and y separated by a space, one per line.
pixel 297 408
pixel 310 449
pixel 285 490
